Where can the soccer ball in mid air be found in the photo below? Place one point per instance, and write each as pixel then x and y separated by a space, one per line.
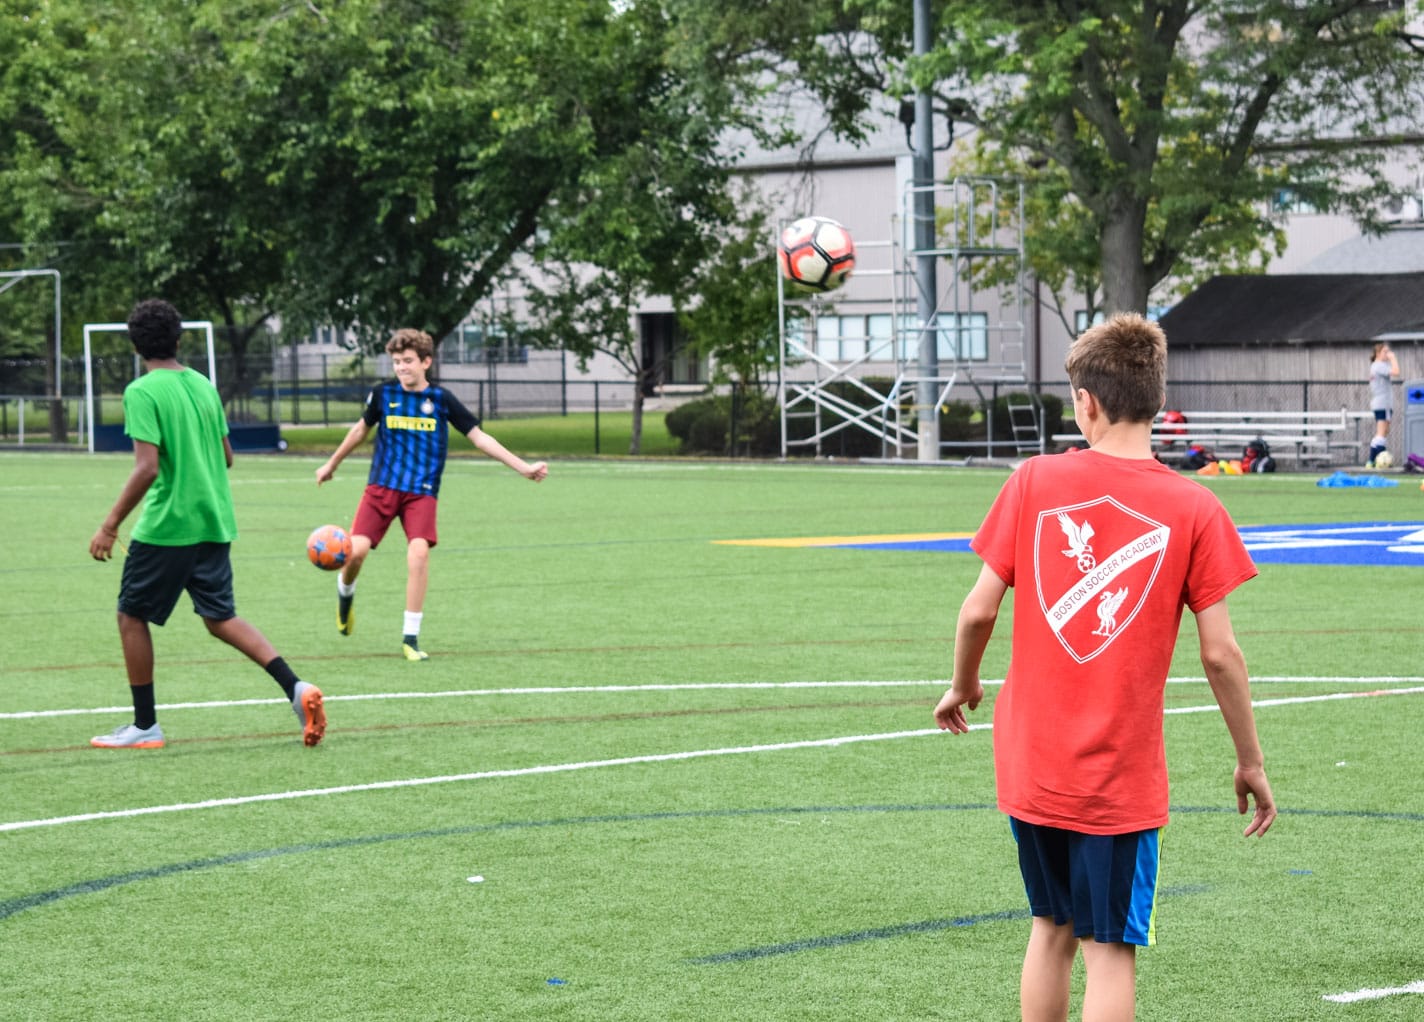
pixel 329 547
pixel 1383 459
pixel 816 253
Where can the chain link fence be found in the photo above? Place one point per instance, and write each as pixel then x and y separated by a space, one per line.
pixel 329 389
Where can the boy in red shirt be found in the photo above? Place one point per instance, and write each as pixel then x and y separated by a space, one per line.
pixel 1105 547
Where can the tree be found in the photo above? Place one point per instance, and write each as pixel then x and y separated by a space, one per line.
pixel 120 171
pixel 648 210
pixel 658 214
pixel 1164 129
pixel 733 320
pixel 378 163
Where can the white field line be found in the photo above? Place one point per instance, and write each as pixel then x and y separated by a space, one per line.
pixel 685 686
pixel 1417 987
pixel 558 768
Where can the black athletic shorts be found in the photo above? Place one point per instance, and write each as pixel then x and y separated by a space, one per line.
pixel 155 576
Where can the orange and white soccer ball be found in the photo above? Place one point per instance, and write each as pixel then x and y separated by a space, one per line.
pixel 816 254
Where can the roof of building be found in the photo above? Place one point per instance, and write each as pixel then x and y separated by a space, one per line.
pixel 1400 250
pixel 1303 308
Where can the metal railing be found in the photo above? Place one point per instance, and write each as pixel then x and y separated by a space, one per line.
pixel 336 398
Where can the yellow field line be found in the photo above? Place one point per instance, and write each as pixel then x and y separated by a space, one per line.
pixel 805 541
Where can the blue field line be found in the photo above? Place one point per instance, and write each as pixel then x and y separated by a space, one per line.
pixel 889 932
pixel 840 939
pixel 13 906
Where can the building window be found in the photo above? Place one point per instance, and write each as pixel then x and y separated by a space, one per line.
pixel 478 342
pixel 828 338
pixel 848 338
pixel 1288 200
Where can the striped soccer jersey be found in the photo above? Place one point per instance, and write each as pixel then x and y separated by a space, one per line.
pixel 414 435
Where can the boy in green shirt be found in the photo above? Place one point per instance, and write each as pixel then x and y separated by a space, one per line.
pixel 181 542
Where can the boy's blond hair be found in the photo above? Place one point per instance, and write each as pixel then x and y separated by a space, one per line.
pixel 410 339
pixel 1123 363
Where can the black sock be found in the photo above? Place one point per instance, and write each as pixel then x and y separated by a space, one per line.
pixel 283 675
pixel 145 716
pixel 411 640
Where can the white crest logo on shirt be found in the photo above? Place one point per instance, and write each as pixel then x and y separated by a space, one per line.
pixel 1122 568
pixel 1078 546
pixel 427 406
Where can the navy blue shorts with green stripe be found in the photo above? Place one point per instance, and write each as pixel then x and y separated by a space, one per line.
pixel 1104 885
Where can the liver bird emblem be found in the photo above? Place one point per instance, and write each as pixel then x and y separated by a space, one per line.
pixel 1108 605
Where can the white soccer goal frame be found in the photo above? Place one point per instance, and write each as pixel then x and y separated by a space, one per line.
pixel 99 328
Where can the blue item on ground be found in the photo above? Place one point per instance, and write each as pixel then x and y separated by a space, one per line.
pixel 1341 479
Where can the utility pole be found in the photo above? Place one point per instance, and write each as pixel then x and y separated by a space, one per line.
pixel 923 236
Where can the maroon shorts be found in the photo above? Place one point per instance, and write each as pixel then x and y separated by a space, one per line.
pixel 380 506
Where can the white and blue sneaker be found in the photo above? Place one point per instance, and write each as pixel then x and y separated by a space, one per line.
pixel 130 737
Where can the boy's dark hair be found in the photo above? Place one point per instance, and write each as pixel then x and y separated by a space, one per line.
pixel 154 328
pixel 1123 363
pixel 410 339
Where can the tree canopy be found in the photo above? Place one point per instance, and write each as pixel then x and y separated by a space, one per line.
pixel 1156 134
pixel 376 162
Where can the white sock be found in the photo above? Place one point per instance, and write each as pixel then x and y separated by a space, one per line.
pixel 412 622
pixel 342 589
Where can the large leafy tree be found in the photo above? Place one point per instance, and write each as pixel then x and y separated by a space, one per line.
pixel 375 163
pixel 659 213
pixel 121 175
pixel 1156 133
pixel 366 163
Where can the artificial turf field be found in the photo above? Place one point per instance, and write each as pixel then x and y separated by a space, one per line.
pixel 697 780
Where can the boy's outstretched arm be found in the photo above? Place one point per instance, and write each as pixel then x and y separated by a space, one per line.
pixel 1225 667
pixel 486 444
pixel 352 440
pixel 971 635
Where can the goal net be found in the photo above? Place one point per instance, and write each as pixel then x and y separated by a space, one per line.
pixel 110 365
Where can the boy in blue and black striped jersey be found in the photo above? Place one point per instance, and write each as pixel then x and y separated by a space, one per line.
pixel 414 416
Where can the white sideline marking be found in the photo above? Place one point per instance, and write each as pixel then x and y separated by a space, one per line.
pixel 1417 987
pixel 558 768
pixel 413 782
pixel 685 686
pixel 533 690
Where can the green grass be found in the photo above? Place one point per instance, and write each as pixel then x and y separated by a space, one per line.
pixel 864 880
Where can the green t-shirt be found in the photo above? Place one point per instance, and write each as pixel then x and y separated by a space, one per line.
pixel 181 414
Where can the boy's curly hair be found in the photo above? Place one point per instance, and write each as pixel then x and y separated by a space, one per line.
pixel 410 339
pixel 154 328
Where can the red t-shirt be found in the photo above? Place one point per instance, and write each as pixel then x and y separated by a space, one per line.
pixel 1103 553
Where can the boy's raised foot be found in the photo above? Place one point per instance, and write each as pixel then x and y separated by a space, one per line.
pixel 307 705
pixel 411 650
